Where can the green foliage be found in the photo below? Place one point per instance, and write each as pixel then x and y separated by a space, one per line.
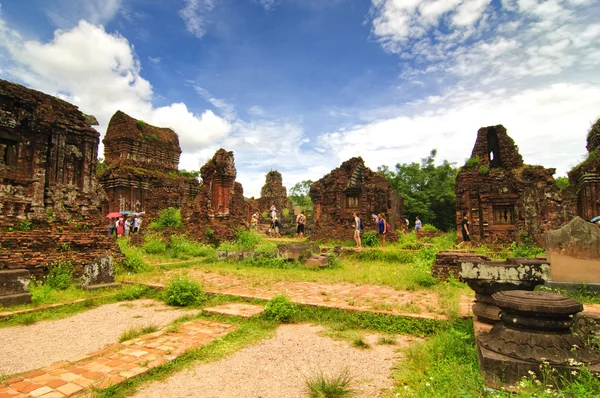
pixel 427 189
pixel 323 386
pixel 134 292
pixel 134 257
pixel 100 166
pixel 286 213
pixel 484 170
pixel 280 309
pixel 63 247
pixel 247 239
pixel 429 227
pixel 140 124
pixel 153 244
pixel 167 218
pixel 299 195
pixel 269 260
pixel 181 247
pixel 396 256
pixel 333 261
pixel 209 233
pixel 60 275
pixel 190 174
pixel 370 239
pixel 525 247
pixel 360 343
pixel 25 226
pixel 184 292
pixel 472 162
pixel 152 137
pixel 562 183
pixel 132 333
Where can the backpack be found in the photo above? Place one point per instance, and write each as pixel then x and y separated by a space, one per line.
pixel 388 228
pixel 361 226
pixel 301 220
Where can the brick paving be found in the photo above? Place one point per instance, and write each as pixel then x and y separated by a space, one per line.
pixel 236 309
pixel 421 304
pixel 113 364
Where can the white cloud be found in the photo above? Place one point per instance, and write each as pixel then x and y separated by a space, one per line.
pixel 155 60
pixel 67 13
pixel 268 5
pixel 100 73
pixel 194 14
pixel 549 125
pixel 256 111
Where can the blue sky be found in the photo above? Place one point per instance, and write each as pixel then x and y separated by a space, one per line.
pixel 302 85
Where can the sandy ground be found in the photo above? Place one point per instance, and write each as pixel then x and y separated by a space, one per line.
pixel 44 343
pixel 278 367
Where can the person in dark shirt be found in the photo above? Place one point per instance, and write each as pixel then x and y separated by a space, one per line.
pixel 465 232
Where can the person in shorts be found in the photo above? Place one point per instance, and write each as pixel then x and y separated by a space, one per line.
pixel 357 231
pixel 466 233
pixel 418 225
pixel 383 228
pixel 300 222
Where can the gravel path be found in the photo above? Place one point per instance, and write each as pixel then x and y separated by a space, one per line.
pixel 279 366
pixel 40 344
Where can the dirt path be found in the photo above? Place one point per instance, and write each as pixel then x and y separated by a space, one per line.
pixel 40 344
pixel 278 367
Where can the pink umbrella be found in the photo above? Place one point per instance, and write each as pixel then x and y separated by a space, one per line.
pixel 114 214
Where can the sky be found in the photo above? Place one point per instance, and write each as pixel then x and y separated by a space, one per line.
pixel 300 86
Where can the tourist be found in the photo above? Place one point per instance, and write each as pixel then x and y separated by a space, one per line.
pixel 300 222
pixel 254 222
pixel 277 227
pixel 407 223
pixel 134 225
pixel 127 226
pixel 357 231
pixel 111 228
pixel 465 232
pixel 119 225
pixel 383 229
pixel 417 225
pixel 273 212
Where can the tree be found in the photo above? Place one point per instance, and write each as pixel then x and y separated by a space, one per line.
pixel 299 195
pixel 427 189
pixel 562 183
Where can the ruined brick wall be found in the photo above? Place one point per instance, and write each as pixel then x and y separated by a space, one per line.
pixel 584 179
pixel 352 188
pixel 142 168
pixel 50 199
pixel 503 197
pixel 220 205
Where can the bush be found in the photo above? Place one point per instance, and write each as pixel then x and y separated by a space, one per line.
pixel 429 227
pixel 184 292
pixel 168 218
pixel 134 261
pixel 322 386
pixel 153 244
pixel 181 247
pixel 333 261
pixel 370 239
pixel 133 293
pixel 140 124
pixel 247 239
pixel 472 162
pixel 60 275
pixel 484 170
pixel 280 309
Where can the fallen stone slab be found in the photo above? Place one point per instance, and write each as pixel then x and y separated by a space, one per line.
pixel 14 287
pixel 320 261
pixel 297 251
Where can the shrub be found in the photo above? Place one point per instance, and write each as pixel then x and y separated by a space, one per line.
pixel 134 261
pixel 140 124
pixel 153 244
pixel 60 275
pixel 370 239
pixel 184 292
pixel 472 162
pixel 484 170
pixel 247 239
pixel 562 183
pixel 209 233
pixel 181 246
pixel 322 386
pixel 26 226
pixel 280 309
pixel 333 261
pixel 429 227
pixel 133 293
pixel 167 218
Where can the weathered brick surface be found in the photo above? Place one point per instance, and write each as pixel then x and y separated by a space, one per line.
pixel 504 197
pixel 142 167
pixel 353 188
pixel 220 207
pixel 50 199
pixel 448 263
pixel 584 179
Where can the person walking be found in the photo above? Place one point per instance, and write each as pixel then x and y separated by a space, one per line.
pixel 111 228
pixel 300 222
pixel 466 234
pixel 120 226
pixel 254 222
pixel 417 225
pixel 358 227
pixel 383 229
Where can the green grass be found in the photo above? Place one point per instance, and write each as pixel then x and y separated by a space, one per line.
pixel 134 332
pixel 321 385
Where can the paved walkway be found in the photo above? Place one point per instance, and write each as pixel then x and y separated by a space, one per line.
pixel 113 364
pixel 367 298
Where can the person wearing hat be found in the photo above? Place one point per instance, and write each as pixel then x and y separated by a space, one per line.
pixel 254 221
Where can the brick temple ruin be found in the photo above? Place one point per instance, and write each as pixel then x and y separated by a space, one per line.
pixel 502 196
pixel 141 167
pixel 584 179
pixel 352 187
pixel 219 210
pixel 274 193
pixel 50 199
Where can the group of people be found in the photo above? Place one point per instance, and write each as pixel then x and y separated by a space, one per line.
pixel 275 226
pixel 121 226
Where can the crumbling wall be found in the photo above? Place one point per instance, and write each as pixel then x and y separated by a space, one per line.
pixel 584 179
pixel 50 199
pixel 504 197
pixel 141 167
pixel 219 210
pixel 353 188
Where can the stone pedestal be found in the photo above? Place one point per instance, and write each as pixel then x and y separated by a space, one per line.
pixel 99 274
pixel 535 330
pixel 448 263
pixel 297 251
pixel 489 277
pixel 14 287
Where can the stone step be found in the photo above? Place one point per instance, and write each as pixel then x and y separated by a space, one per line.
pixel 113 364
pixel 236 309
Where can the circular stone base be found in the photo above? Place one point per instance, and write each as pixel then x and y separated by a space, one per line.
pixel 486 312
